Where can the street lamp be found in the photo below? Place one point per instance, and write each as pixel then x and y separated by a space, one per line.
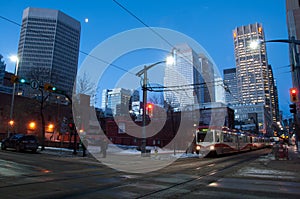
pixel 11 122
pixel 256 44
pixel 32 125
pixel 15 59
pixel 169 60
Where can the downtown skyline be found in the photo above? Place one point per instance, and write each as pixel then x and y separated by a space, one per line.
pixel 214 33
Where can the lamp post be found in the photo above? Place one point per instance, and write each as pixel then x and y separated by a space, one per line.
pixel 15 59
pixel 144 72
pixel 295 69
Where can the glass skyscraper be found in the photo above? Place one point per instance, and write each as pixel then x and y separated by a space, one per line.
pixel 231 96
pixel 190 79
pixel 252 71
pixel 116 101
pixel 48 48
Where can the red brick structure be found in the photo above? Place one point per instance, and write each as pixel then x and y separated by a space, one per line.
pixel 28 110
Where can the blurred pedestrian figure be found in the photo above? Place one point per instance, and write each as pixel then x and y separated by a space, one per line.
pixel 84 144
pixel 103 145
pixel 155 151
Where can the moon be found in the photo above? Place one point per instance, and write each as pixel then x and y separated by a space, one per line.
pixel 86 20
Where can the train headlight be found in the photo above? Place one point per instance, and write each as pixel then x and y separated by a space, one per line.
pixel 198 148
pixel 212 148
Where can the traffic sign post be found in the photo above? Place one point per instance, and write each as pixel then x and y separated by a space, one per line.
pixel 34 84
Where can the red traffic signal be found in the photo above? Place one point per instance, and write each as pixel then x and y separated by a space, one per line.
pixel 149 109
pixel 149 106
pixel 71 126
pixel 294 95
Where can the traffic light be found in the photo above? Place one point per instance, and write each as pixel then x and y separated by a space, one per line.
pixel 71 126
pixel 150 109
pixel 49 87
pixel 294 95
pixel 17 79
pixel 293 108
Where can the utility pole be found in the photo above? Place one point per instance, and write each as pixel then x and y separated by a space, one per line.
pixel 295 69
pixel 144 88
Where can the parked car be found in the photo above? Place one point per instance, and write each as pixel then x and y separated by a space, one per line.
pixel 20 142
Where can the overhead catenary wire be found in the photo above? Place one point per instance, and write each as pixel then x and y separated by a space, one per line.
pixel 178 88
pixel 142 22
pixel 87 54
pixel 165 89
pixel 81 51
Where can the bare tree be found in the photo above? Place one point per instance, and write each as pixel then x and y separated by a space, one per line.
pixel 83 85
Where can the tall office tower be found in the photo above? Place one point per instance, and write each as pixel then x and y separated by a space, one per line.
pixel 135 104
pixel 230 81
pixel 5 84
pixel 48 48
pixel 104 100
pixel 277 111
pixel 185 71
pixel 2 70
pixel 207 73
pixel 116 100
pixel 252 69
pixel 274 96
pixel 135 96
pixel 219 90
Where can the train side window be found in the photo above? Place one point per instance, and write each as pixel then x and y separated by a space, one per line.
pixel 234 138
pixel 217 136
pixel 227 138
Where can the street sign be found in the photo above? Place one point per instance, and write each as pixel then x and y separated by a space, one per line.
pixel 34 84
pixel 64 126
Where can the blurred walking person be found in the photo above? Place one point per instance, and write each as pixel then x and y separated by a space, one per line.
pixel 103 146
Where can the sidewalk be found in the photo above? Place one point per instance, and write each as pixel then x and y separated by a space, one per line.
pixel 292 164
pixel 62 152
pixel 267 167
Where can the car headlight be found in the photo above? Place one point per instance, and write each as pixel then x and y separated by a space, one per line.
pixel 212 147
pixel 198 147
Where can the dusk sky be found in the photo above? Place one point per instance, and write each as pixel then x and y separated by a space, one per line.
pixel 208 22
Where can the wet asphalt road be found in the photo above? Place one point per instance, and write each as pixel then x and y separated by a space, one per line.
pixel 42 175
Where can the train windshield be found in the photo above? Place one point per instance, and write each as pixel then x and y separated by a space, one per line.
pixel 204 136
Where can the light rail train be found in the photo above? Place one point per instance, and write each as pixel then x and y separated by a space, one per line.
pixel 217 141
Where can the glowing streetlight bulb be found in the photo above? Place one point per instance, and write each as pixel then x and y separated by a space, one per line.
pixel 255 44
pixel 51 126
pixel 14 58
pixel 32 125
pixel 170 60
pixel 11 122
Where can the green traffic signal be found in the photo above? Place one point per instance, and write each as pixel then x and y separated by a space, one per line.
pixel 49 87
pixel 22 80
pixel 16 79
